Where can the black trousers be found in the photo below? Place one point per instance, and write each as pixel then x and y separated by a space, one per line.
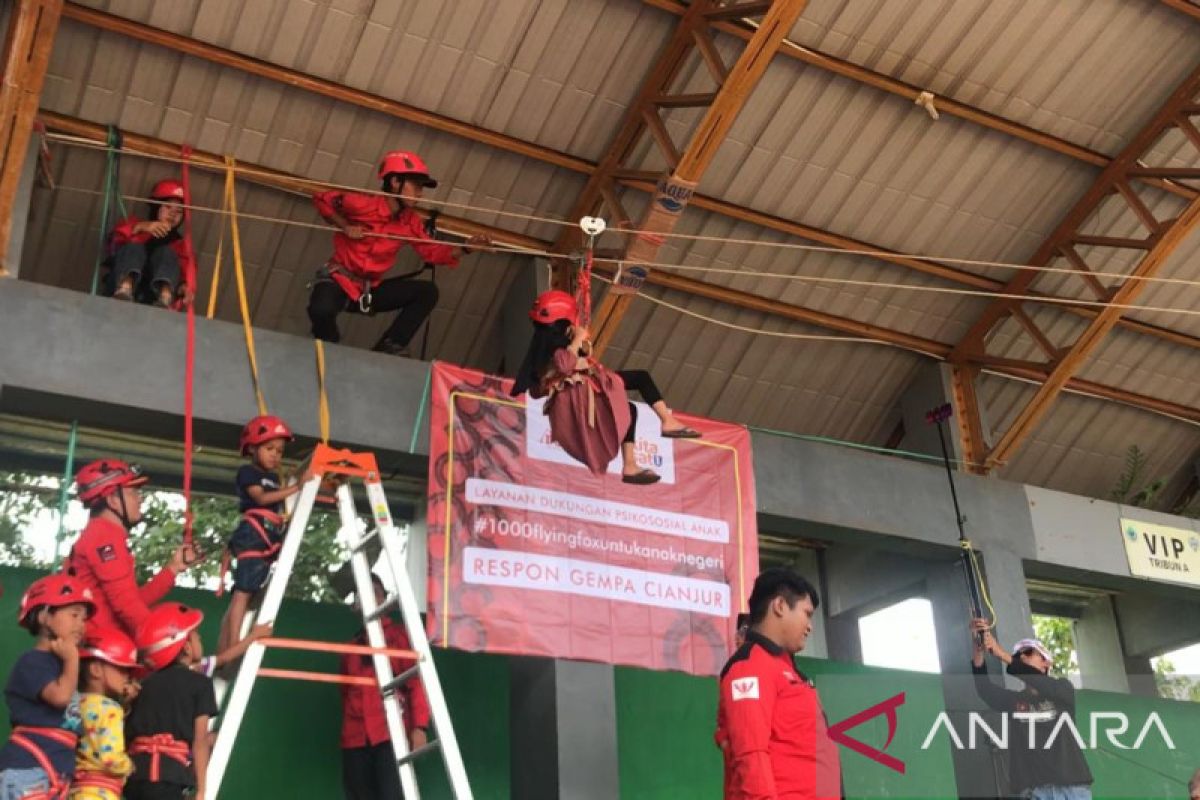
pixel 369 773
pixel 414 299
pixel 145 790
pixel 638 380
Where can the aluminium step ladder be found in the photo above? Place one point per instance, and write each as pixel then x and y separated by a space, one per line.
pixel 327 461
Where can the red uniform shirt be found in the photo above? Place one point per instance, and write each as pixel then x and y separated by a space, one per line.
pixel 771 718
pixel 368 258
pixel 363 720
pixel 123 234
pixel 101 561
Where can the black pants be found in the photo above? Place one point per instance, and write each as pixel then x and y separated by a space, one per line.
pixel 145 790
pixel 638 380
pixel 414 299
pixel 369 773
pixel 150 269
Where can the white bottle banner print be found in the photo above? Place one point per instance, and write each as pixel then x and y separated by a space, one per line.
pixel 1162 552
pixel 653 450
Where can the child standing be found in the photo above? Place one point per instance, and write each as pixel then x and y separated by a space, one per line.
pixel 43 703
pixel 168 727
pixel 256 541
pixel 101 763
pixel 149 257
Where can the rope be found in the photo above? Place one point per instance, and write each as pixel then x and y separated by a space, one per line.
pixel 983 590
pixel 868 252
pixel 64 487
pixel 239 274
pixel 858 446
pixel 189 372
pixel 216 276
pixel 322 397
pixel 412 445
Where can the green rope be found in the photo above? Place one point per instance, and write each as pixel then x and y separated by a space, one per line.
pixel 112 190
pixel 852 445
pixel 412 446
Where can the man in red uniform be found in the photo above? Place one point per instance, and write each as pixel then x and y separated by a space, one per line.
pixel 373 229
pixel 769 714
pixel 368 760
pixel 101 559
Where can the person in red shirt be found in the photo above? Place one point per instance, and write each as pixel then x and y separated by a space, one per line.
pixel 368 760
pixel 769 714
pixel 101 559
pixel 373 229
pixel 149 259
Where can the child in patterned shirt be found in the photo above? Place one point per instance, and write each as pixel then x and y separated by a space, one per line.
pixel 108 658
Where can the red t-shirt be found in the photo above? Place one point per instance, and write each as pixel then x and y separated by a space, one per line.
pixel 363 720
pixel 770 716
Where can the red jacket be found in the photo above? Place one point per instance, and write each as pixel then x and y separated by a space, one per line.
pixel 123 234
pixel 771 717
pixel 367 259
pixel 102 561
pixel 363 720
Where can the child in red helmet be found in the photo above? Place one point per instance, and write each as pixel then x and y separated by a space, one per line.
pixel 590 415
pixel 108 658
pixel 149 257
pixel 373 230
pixel 167 729
pixel 256 541
pixel 43 704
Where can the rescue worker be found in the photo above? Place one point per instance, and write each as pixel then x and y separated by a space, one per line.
pixel 149 258
pixel 777 745
pixel 373 229
pixel 101 558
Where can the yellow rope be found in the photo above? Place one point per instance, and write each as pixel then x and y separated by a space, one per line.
pixel 216 277
pixel 239 273
pixel 322 397
pixel 983 592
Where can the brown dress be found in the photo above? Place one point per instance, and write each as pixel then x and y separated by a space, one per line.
pixel 588 409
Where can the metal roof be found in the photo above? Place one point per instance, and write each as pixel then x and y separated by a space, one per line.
pixel 809 146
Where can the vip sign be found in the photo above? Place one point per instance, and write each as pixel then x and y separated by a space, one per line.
pixel 1162 552
pixel 651 449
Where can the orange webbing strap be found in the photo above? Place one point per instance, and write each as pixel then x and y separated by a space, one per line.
pixel 322 396
pixel 58 784
pixel 254 517
pixel 216 275
pixel 157 746
pixel 318 677
pixel 98 780
pixel 189 371
pixel 343 648
pixel 239 273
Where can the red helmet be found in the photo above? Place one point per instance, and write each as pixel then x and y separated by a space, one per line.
pixel 110 645
pixel 101 478
pixel 554 305
pixel 163 634
pixel 55 591
pixel 410 165
pixel 169 189
pixel 263 429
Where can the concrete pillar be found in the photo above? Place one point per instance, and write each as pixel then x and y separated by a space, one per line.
pixel 929 389
pixel 563 724
pixel 1098 645
pixel 1139 672
pixel 20 216
pixel 808 563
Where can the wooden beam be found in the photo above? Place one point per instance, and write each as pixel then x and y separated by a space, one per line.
pixel 737 10
pixel 967 416
pixel 700 99
pixel 1085 272
pixel 1187 173
pixel 1038 336
pixel 30 38
pixel 678 186
pixel 1184 7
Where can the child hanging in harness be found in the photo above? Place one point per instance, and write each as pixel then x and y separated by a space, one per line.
pixel 148 258
pixel 590 415
pixel 258 537
pixel 373 230
pixel 108 659
pixel 38 761
pixel 167 729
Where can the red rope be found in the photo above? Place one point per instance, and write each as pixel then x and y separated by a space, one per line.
pixel 190 357
pixel 585 291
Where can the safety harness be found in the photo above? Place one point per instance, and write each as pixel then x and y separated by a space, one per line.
pixel 59 785
pixel 158 745
pixel 259 519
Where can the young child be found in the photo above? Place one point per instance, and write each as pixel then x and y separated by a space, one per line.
pixel 256 541
pixel 108 659
pixel 43 703
pixel 149 257
pixel 590 415
pixel 168 726
pixel 372 231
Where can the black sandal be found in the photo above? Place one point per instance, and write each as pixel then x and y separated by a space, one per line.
pixel 682 433
pixel 644 478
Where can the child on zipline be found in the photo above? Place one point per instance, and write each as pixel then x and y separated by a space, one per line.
pixel 41 693
pixel 373 229
pixel 258 537
pixel 590 416
pixel 149 258
pixel 108 659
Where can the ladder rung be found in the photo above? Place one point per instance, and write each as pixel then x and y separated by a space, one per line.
pixel 420 751
pixel 366 539
pixel 384 608
pixel 398 681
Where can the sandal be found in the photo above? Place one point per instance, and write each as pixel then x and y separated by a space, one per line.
pixel 643 478
pixel 682 433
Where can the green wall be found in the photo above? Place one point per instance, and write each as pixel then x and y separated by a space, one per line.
pixel 288 745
